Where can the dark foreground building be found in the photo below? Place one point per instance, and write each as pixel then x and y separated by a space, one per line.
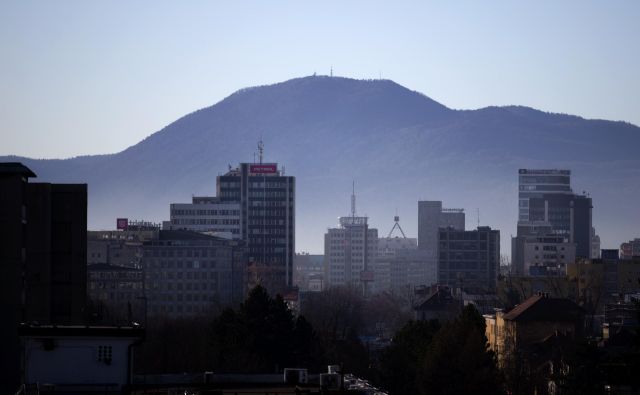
pixel 43 233
pixel 469 259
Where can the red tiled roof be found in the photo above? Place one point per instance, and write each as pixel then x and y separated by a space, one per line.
pixel 544 308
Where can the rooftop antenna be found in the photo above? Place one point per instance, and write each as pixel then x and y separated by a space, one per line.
pixel 260 149
pixel 396 219
pixel 478 209
pixel 331 74
pixel 353 200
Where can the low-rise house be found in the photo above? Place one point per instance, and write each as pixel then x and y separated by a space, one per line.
pixel 78 359
pixel 439 304
pixel 530 323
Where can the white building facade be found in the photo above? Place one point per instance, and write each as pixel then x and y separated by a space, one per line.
pixel 349 254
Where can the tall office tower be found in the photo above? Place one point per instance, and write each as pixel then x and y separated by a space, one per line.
pixel 267 220
pixel 350 251
pixel 469 259
pixel 43 259
pixel 432 217
pixel 535 183
pixel 548 207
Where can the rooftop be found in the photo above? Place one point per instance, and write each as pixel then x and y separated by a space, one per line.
pixel 16 168
pixel 541 307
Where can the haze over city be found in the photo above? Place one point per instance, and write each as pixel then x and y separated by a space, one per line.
pixel 332 198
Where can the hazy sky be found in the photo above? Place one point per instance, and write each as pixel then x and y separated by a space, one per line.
pixel 83 77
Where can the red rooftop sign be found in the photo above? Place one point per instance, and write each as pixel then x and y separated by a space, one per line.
pixel 122 223
pixel 264 168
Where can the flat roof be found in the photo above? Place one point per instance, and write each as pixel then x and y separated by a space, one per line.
pixel 32 330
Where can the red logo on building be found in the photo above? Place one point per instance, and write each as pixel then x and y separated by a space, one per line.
pixel 264 168
pixel 122 223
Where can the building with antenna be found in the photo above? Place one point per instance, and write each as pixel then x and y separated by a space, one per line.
pixel 267 219
pixel 400 265
pixel 350 251
pixel 255 202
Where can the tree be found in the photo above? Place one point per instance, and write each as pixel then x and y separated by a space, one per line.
pixel 400 361
pixel 263 336
pixel 458 361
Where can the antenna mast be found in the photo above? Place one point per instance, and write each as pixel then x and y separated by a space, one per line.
pixel 396 225
pixel 353 200
pixel 260 149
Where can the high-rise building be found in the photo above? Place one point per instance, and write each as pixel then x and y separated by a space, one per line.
pixel 350 251
pixel 267 220
pixel 432 217
pixel 547 207
pixel 43 259
pixel 469 259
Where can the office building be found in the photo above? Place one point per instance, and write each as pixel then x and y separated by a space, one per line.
pixel 469 260
pixel 630 249
pixel 266 200
pixel 400 265
pixel 43 253
pixel 544 255
pixel 207 214
pixel 116 292
pixel 432 217
pixel 547 207
pixel 308 272
pixel 349 253
pixel 189 274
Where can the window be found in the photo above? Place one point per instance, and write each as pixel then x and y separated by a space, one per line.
pixel 105 354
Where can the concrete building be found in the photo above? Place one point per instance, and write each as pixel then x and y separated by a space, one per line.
pixel 117 292
pixel 308 272
pixel 595 244
pixel 189 273
pixel 546 255
pixel 117 247
pixel 266 200
pixel 78 359
pixel 604 281
pixel 470 259
pixel 350 252
pixel 432 217
pixel 630 249
pixel 43 253
pixel 207 214
pixel 400 266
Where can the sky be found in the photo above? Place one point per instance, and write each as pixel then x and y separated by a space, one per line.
pixel 81 77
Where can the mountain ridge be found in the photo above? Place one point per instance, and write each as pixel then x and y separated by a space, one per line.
pixel 399 145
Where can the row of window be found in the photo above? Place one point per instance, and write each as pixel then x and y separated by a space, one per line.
pixel 188 253
pixel 205 221
pixel 176 212
pixel 170 264
pixel 180 275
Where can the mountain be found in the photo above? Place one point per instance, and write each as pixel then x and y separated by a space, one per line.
pixel 398 145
